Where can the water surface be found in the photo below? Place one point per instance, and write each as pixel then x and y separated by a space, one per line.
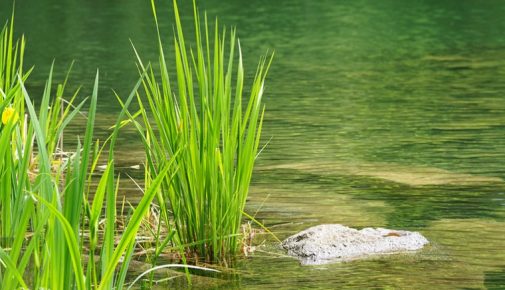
pixel 380 113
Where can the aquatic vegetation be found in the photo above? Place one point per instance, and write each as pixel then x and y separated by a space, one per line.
pixel 52 214
pixel 216 134
pixel 48 218
pixel 11 141
pixel 199 166
pixel 11 65
pixel 47 212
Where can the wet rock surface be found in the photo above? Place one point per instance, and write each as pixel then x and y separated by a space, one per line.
pixel 336 243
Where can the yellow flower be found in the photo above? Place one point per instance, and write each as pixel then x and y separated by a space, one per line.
pixel 8 115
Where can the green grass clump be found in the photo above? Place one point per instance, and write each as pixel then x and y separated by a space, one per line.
pixel 216 134
pixel 53 224
pixel 58 226
pixel 12 137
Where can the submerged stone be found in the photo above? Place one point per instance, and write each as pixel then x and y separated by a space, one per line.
pixel 336 243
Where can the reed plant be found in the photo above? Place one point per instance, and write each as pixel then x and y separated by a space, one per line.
pixel 11 111
pixel 57 226
pixel 203 117
pixel 46 200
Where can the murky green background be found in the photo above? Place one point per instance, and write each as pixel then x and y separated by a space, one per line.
pixel 380 113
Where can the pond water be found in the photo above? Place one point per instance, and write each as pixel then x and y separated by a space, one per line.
pixel 379 113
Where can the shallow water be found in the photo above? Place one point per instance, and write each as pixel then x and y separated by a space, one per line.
pixel 380 113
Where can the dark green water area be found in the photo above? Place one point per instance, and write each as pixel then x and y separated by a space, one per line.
pixel 379 113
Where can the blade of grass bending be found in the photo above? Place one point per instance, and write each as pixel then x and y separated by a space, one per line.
pixel 96 207
pixel 63 123
pixel 19 247
pixel 148 81
pixel 133 225
pixel 170 266
pixel 71 241
pixel 261 225
pixel 8 264
pixel 94 214
pixel 44 166
pixel 110 214
pixel 76 178
pixel 73 204
pixel 120 280
pixel 161 201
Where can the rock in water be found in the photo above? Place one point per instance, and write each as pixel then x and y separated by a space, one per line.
pixel 334 243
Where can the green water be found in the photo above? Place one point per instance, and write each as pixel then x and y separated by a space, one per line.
pixel 380 113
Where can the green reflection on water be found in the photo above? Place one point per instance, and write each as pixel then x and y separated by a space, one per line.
pixel 381 113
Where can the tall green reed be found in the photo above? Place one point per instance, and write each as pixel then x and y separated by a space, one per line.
pixel 50 212
pixel 12 113
pixel 11 65
pixel 48 219
pixel 216 133
pixel 54 191
pixel 29 175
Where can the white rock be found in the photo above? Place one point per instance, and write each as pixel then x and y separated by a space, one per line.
pixel 333 243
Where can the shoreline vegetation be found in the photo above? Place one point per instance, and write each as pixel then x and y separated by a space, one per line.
pixel 200 142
